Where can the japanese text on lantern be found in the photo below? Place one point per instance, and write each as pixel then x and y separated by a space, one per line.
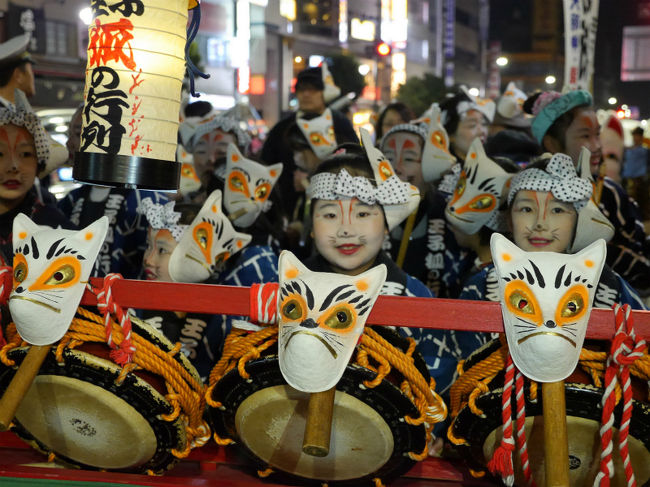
pixel 110 43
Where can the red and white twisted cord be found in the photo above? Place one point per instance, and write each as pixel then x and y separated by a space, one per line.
pixel 122 353
pixel 625 349
pixel 264 303
pixel 522 444
pixel 501 462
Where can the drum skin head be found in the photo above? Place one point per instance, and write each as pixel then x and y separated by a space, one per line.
pixel 269 416
pixel 271 423
pixel 78 412
pixel 583 422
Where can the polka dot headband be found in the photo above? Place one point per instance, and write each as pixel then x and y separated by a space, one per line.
pixel 414 128
pixel 162 217
pixel 330 186
pixel 559 178
pixel 226 124
pixel 23 116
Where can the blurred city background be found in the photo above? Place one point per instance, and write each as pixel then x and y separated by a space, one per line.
pixel 378 50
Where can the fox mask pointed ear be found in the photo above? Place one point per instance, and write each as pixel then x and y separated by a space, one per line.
pixel 51 271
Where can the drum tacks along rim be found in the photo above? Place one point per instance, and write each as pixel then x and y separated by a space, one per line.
pixel 477 436
pixel 89 412
pixel 370 437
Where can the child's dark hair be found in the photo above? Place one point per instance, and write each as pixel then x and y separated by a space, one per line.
pixel 352 158
pixel 450 106
pixel 404 112
pixel 188 212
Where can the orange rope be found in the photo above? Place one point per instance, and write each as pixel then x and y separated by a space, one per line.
pixel 185 392
pixel 474 382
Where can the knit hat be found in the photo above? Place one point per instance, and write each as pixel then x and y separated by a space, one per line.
pixel 551 105
pixel 310 76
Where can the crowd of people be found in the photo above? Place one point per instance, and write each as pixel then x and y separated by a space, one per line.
pixel 529 167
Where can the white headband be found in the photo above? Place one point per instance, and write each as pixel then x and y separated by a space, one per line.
pixel 559 178
pixel 162 217
pixel 330 186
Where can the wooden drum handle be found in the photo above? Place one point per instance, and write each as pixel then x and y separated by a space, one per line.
pixel 556 445
pixel 20 383
pixel 318 425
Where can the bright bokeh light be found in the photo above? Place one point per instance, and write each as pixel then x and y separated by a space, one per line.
pixel 612 100
pixel 86 15
pixel 61 128
pixel 550 79
pixel 383 49
pixel 297 59
pixel 364 69
pixel 502 61
pixel 474 91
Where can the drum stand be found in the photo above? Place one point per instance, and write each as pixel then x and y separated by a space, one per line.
pixel 212 465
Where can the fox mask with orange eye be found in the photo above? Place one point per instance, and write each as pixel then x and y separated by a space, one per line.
pixel 319 133
pixel 321 317
pixel 50 270
pixel 546 301
pixel 247 188
pixel 436 158
pixel 478 194
pixel 207 244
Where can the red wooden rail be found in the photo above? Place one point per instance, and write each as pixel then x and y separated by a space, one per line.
pixel 436 313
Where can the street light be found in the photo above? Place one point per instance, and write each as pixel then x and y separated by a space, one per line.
pixel 550 79
pixel 612 100
pixel 86 15
pixel 364 69
pixel 502 61
pixel 297 59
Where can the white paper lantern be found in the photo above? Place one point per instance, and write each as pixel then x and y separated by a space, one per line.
pixel 136 64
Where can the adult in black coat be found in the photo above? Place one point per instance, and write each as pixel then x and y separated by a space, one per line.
pixel 309 92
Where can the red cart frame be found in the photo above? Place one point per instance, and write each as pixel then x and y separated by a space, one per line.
pixel 212 465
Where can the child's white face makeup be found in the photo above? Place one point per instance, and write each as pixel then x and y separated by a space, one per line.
pixel 160 245
pixel 473 125
pixel 18 165
pixel 541 223
pixel 209 148
pixel 404 151
pixel 348 233
pixel 584 131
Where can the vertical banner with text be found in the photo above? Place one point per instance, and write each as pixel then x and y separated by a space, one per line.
pixel 580 26
pixel 448 40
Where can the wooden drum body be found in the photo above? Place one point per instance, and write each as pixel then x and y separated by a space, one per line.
pixel 89 412
pixel 370 438
pixel 479 435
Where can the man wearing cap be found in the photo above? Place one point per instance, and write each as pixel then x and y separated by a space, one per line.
pixel 15 70
pixel 309 90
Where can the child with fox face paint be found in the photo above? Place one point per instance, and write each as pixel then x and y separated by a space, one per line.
pixel 420 153
pixel 548 203
pixel 356 199
pixel 566 123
